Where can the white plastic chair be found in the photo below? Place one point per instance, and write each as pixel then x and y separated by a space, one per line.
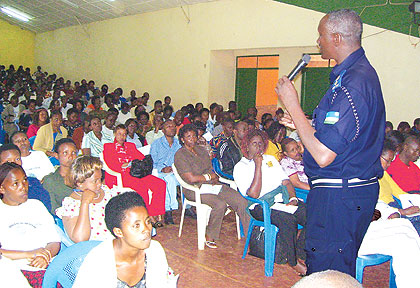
pixel 203 211
pixel 111 172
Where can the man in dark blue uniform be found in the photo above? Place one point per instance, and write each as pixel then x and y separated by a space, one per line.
pixel 342 146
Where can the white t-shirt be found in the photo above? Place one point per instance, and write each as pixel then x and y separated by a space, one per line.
pixel 37 165
pixel 272 174
pixel 25 227
pixel 122 118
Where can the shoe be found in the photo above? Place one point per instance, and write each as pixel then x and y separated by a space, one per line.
pixel 190 213
pixel 157 224
pixel 168 218
pixel 211 244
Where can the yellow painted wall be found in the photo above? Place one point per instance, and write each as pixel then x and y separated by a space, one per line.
pixel 162 53
pixel 16 46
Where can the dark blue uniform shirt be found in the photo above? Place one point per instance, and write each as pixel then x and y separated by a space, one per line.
pixel 350 120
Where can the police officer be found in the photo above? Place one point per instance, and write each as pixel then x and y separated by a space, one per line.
pixel 343 146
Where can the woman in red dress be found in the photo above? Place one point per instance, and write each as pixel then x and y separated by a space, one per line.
pixel 118 156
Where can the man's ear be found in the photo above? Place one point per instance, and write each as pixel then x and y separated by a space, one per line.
pixel 337 39
pixel 117 231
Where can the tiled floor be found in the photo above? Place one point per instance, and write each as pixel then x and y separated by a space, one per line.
pixel 224 267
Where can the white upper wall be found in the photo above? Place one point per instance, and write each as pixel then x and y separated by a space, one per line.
pixel 160 52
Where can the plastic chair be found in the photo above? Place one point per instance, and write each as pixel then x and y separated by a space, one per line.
pixel 203 210
pixel 374 259
pixel 111 172
pixel 270 235
pixel 228 179
pixel 32 140
pixel 65 239
pixel 64 267
pixel 301 194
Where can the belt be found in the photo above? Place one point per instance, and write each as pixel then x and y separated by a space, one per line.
pixel 340 183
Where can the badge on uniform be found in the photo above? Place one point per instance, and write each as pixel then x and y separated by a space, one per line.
pixel 332 117
pixel 269 164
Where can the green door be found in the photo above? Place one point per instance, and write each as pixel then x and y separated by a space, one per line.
pixel 315 82
pixel 246 88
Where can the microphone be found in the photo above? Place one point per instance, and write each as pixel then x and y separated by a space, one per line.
pixel 300 65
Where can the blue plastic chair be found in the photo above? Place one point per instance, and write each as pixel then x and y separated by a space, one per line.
pixel 270 236
pixel 66 264
pixel 65 239
pixel 32 140
pixel 301 194
pixel 216 167
pixel 374 259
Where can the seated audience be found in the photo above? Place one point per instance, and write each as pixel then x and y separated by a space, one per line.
pixel 108 127
pixel 144 124
pixel 163 151
pixel 58 184
pixel 27 230
pixel 415 130
pixel 258 175
pixel 95 108
pixel 229 152
pixel 40 119
pixel 388 189
pixel 157 110
pixel 49 134
pixel 167 113
pixel 26 118
pixel 93 143
pixel 218 127
pixel 80 132
pixel 83 211
pixel 276 133
pixel 396 138
pixel 132 135
pixel 10 153
pixel 35 163
pixel 118 157
pixel 292 164
pixel 132 259
pixel 201 130
pixel 11 114
pixel 226 134
pixel 399 239
pixel 156 132
pixel 404 127
pixel 178 119
pixel 403 170
pixel 124 114
pixel 72 122
pixel 194 166
pixel 388 126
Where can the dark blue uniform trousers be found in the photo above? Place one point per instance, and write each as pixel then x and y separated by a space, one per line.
pixel 337 220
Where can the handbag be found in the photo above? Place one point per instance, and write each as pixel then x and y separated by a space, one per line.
pixel 257 248
pixel 142 168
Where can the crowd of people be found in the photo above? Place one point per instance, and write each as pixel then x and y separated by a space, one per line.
pixel 58 135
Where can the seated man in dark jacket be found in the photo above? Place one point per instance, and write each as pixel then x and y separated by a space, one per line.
pixel 229 152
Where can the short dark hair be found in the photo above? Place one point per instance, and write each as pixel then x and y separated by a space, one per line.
pixel 389 124
pixel 274 129
pixel 56 112
pixel 213 105
pixel 143 113
pixel 285 142
pixel 388 146
pixel 120 126
pixel 8 147
pixel 204 110
pixel 117 206
pixel 61 142
pixel 416 121
pixel 16 133
pixel 247 139
pixel 200 125
pixel 72 111
pixel 184 129
pixel 158 102
pixel 5 169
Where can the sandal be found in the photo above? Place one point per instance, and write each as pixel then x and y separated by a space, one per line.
pixel 157 224
pixel 211 244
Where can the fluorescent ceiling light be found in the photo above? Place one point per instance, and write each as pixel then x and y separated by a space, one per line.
pixel 70 3
pixel 15 14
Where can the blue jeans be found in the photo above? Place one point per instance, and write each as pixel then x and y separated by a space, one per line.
pixel 171 183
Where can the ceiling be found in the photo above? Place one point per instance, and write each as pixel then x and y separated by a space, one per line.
pixel 388 14
pixel 49 15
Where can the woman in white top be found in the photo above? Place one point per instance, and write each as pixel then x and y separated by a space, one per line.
pixel 261 176
pixel 132 259
pixel 27 230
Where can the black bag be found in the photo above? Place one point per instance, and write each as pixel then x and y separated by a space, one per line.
pixel 142 168
pixel 256 246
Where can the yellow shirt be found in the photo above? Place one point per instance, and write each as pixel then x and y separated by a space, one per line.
pixel 274 151
pixel 388 188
